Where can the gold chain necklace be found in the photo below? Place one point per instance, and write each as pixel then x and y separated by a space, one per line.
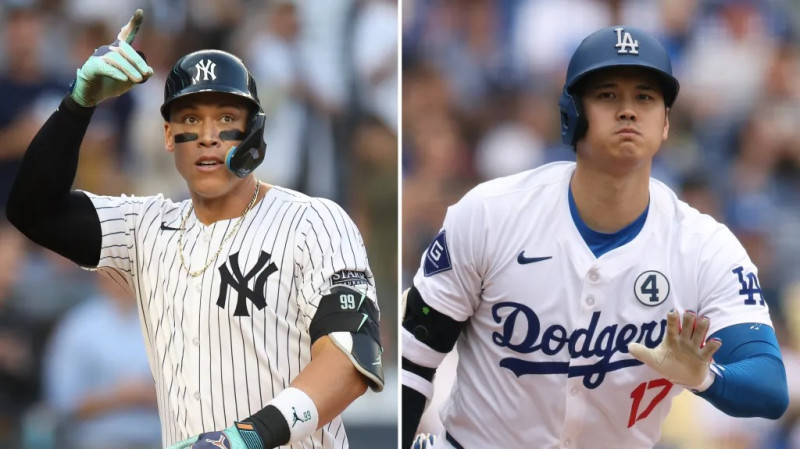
pixel 227 237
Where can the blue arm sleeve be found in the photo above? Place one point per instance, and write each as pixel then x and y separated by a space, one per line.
pixel 750 376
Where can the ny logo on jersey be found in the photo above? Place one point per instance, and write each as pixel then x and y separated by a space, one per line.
pixel 206 68
pixel 238 282
pixel 625 42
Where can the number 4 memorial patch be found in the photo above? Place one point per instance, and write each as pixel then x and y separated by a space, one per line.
pixel 437 258
pixel 651 288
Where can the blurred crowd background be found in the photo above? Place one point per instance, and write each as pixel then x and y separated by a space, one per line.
pixel 481 81
pixel 73 368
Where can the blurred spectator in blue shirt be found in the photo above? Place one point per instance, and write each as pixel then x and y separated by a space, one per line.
pixel 97 376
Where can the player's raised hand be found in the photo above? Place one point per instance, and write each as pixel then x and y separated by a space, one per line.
pixel 683 356
pixel 112 69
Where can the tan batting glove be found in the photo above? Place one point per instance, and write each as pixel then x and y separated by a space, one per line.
pixel 684 356
pixel 113 69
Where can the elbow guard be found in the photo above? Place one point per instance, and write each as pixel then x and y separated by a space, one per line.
pixel 429 326
pixel 350 319
pixel 428 335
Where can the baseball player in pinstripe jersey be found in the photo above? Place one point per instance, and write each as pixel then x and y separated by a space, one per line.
pixel 256 302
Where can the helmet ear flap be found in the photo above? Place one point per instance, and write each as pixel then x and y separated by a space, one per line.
pixel 573 122
pixel 249 154
pixel 573 125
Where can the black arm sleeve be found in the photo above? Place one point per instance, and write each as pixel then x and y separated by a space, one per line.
pixel 413 406
pixel 41 204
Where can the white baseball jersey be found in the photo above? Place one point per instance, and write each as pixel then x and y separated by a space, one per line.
pixel 543 355
pixel 223 344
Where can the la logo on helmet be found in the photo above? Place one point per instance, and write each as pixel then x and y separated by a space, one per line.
pixel 206 70
pixel 625 42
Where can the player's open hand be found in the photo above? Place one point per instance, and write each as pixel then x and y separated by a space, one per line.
pixel 683 356
pixel 113 69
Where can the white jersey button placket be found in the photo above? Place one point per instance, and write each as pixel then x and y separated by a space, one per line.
pixel 591 285
pixel 574 412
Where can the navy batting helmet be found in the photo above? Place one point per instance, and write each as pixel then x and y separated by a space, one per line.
pixel 219 71
pixel 616 46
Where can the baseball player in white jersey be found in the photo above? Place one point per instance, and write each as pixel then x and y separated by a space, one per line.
pixel 257 302
pixel 581 295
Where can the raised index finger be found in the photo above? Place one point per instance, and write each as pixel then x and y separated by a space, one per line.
pixel 128 32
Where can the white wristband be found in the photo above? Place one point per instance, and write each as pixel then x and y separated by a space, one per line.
pixel 299 411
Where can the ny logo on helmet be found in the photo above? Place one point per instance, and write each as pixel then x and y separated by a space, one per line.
pixel 206 70
pixel 625 42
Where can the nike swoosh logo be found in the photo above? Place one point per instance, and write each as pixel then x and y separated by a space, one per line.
pixel 164 227
pixel 526 260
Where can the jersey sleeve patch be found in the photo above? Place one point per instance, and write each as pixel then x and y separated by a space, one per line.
pixel 437 257
pixel 349 278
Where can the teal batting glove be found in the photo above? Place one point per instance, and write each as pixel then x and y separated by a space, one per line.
pixel 113 69
pixel 241 435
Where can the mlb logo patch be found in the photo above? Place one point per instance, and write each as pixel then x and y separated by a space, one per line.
pixel 437 258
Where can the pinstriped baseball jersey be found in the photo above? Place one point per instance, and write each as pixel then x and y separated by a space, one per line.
pixel 543 359
pixel 221 345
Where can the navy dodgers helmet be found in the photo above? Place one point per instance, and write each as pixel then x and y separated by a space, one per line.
pixel 219 71
pixel 616 46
